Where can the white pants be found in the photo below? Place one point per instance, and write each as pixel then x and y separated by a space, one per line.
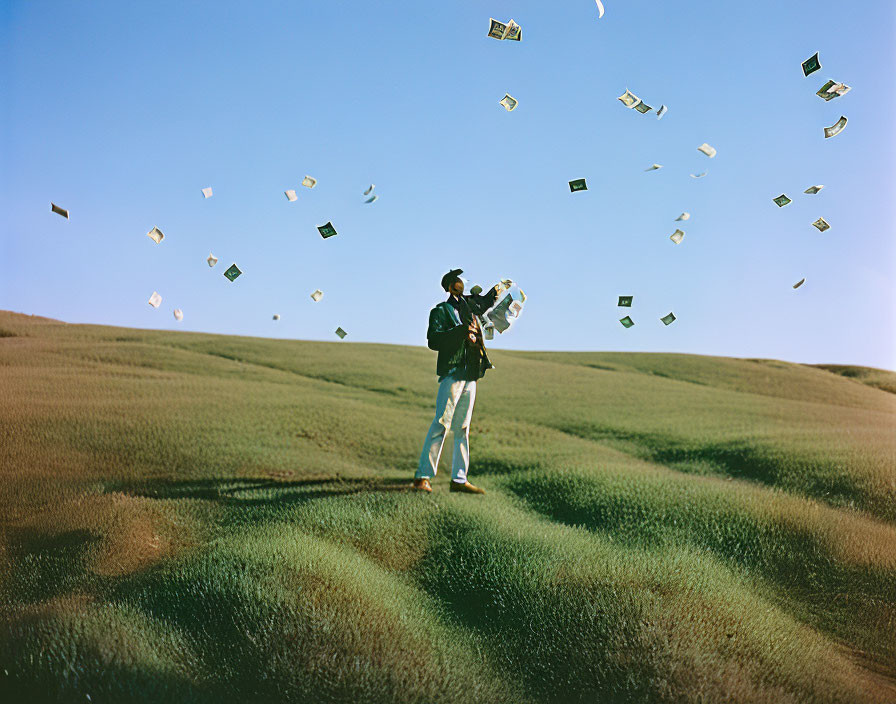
pixel 454 409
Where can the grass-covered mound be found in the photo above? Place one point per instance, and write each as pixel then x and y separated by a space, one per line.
pixel 192 517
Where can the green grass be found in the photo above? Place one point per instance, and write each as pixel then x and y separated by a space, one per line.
pixel 192 517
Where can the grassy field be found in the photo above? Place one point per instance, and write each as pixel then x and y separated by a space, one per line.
pixel 190 517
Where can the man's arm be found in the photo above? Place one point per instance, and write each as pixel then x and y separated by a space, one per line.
pixel 439 335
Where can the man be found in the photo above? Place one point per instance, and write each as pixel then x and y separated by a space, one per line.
pixel 454 332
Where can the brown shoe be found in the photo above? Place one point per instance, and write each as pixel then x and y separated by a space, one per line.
pixel 466 488
pixel 423 485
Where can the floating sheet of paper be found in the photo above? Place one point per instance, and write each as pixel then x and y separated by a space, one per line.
pixel 700 175
pixel 509 102
pixel 156 235
pixel 654 167
pixel 155 300
pixel 317 295
pixel 683 216
pixel 629 99
pixel 578 185
pixel 309 182
pixel 811 65
pixel 812 190
pixel 600 9
pixel 677 236
pixel 643 108
pixel 499 30
pixel 667 319
pixel 372 199
pixel 59 211
pixel 782 200
pixel 627 322
pixel 831 90
pixel 821 224
pixel 513 32
pixel 625 301
pixel 799 283
pixel 662 111
pixel 178 314
pixel 342 333
pixel 836 128
pixel 290 195
pixel 507 308
pixel 207 192
pixel 369 190
pixel 326 230
pixel 706 149
pixel 232 272
pixel 496 30
pixel 212 260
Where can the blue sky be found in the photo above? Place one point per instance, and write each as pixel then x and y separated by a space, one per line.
pixel 122 112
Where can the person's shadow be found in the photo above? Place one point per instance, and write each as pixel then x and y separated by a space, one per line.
pixel 257 491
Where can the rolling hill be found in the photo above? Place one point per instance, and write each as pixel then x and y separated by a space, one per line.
pixel 187 517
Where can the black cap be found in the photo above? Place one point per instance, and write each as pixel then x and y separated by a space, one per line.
pixel 449 278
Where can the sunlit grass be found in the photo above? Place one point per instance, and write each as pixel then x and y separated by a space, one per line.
pixel 192 517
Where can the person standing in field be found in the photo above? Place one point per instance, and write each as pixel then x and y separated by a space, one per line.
pixel 454 332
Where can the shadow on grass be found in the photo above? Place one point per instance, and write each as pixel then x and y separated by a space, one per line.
pixel 254 501
pixel 740 460
pixel 45 566
pixel 58 681
pixel 256 492
pixel 833 595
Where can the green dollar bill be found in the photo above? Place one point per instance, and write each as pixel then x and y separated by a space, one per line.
pixel 577 185
pixel 629 99
pixel 799 283
pixel 812 190
pixel 782 200
pixel 326 230
pixel 232 272
pixel 677 236
pixel 59 211
pixel 821 224
pixel 667 319
pixel 508 102
pixel 625 301
pixel 811 65
pixel 836 128
pixel 496 29
pixel 342 333
pixel 643 108
pixel 626 322
pixel 823 92
pixel 513 32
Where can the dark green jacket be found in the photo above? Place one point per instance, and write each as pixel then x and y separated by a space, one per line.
pixel 447 334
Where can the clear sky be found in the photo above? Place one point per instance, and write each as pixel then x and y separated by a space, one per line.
pixel 121 112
